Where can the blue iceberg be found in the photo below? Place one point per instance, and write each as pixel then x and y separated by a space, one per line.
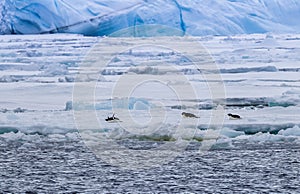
pixel 104 17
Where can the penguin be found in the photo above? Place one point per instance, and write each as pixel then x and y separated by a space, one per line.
pixel 233 116
pixel 189 115
pixel 113 118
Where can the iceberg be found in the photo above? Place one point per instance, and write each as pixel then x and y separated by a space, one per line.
pixel 104 17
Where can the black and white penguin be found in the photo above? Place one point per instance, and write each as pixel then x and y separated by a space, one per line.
pixel 233 116
pixel 189 115
pixel 113 118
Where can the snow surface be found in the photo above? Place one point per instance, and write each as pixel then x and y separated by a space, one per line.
pixel 261 82
pixel 194 17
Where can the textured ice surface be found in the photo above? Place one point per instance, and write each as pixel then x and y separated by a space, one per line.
pixel 102 17
pixel 261 83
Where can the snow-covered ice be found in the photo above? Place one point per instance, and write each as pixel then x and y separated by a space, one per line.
pixel 261 83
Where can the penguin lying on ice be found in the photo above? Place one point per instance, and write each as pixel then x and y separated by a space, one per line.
pixel 112 119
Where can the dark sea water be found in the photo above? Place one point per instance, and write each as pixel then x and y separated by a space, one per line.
pixel 46 165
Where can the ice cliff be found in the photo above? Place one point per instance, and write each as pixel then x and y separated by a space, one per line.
pixel 195 17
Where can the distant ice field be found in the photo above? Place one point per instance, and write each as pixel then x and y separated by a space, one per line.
pixel 259 74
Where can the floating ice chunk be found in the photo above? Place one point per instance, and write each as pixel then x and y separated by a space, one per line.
pixel 295 131
pixel 231 133
pixel 45 130
pixel 57 137
pixel 73 136
pixel 265 137
pixel 11 136
pixel 222 143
